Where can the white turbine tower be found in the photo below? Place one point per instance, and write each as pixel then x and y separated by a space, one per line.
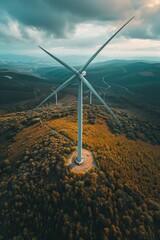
pixel 90 96
pixel 79 74
pixel 35 94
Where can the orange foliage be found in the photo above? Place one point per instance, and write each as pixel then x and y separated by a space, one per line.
pixel 136 160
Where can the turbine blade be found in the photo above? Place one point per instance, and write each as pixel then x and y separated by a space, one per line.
pixel 73 70
pixel 99 97
pixel 57 90
pixel 101 48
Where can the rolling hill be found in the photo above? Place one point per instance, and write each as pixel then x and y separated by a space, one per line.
pixel 42 199
pixel 22 89
pixel 140 78
pixel 119 198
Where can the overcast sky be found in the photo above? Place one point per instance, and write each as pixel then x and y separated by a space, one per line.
pixel 80 26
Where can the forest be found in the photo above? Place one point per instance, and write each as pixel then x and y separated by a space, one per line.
pixel 41 198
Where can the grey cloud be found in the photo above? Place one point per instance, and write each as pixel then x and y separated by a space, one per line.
pixel 59 18
pixel 40 16
pixel 152 20
pixel 148 27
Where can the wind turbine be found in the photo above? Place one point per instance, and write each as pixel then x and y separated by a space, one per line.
pixel 35 93
pixel 55 96
pixel 80 75
pixel 90 96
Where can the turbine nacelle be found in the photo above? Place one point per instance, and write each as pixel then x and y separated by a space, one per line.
pixel 84 73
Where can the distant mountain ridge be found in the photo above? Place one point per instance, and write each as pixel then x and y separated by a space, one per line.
pixel 139 80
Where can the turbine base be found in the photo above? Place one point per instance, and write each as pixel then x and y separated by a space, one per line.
pixel 88 163
pixel 79 162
